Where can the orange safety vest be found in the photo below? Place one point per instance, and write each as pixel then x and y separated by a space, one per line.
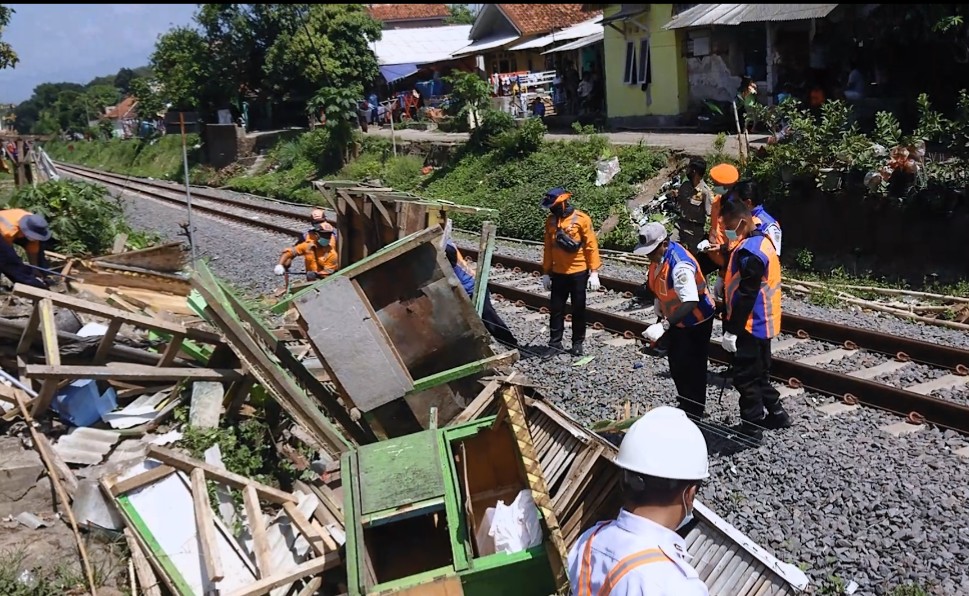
pixel 619 570
pixel 764 321
pixel 10 229
pixel 660 279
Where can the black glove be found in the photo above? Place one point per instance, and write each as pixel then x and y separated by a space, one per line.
pixel 312 276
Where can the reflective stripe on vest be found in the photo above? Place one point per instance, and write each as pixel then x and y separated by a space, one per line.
pixel 660 279
pixel 763 221
pixel 620 570
pixel 764 321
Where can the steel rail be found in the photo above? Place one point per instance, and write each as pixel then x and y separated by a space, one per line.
pixel 903 348
pixel 918 407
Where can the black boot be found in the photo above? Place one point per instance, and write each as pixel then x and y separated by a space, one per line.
pixel 777 419
pixel 751 432
pixel 577 348
pixel 694 411
pixel 554 348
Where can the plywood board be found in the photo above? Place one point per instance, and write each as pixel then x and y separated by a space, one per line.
pixel 366 367
pixel 175 546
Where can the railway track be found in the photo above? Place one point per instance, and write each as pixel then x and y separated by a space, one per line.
pixel 611 311
pixel 257 212
pixel 515 280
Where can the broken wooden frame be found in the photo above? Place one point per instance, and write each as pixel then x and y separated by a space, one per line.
pixel 273 366
pixel 413 341
pixel 42 320
pixel 369 218
pixel 584 486
pixel 222 557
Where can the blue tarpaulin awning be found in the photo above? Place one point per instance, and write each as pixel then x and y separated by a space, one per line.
pixel 395 72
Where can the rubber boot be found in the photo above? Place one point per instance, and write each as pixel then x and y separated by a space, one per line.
pixel 777 419
pixel 554 348
pixel 577 348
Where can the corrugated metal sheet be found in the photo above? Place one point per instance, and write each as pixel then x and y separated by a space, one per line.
pixel 421 45
pixel 579 43
pixel 487 43
pixel 583 29
pixel 86 446
pixel 584 486
pixel 705 15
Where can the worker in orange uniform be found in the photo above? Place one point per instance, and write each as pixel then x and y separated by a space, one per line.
pixel 663 461
pixel 27 230
pixel 686 308
pixel 317 219
pixel 570 264
pixel 320 256
pixel 724 176
pixel 748 192
pixel 752 296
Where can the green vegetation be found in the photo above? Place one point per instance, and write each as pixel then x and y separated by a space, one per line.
pixel 83 217
pixel 17 579
pixel 8 57
pixel 158 158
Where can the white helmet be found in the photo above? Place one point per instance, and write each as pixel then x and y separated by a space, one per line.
pixel 664 443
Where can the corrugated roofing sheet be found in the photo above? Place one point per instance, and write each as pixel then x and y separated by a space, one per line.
pixel 487 43
pixel 583 29
pixel 705 15
pixel 579 43
pixel 421 45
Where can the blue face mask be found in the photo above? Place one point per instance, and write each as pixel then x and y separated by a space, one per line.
pixel 732 234
pixel 323 241
pixel 687 518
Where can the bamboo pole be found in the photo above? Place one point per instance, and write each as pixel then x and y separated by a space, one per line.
pixel 895 291
pixel 847 298
pixel 42 447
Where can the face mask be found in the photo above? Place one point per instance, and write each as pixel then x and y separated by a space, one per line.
pixel 323 241
pixel 732 234
pixel 719 190
pixel 558 210
pixel 688 517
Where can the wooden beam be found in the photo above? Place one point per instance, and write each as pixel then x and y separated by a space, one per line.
pixel 237 481
pixel 174 345
pixel 30 330
pixel 52 355
pixel 257 528
pixel 465 370
pixel 147 579
pixel 139 480
pixel 486 248
pixel 205 526
pixel 132 372
pixel 311 567
pixel 305 528
pixel 107 340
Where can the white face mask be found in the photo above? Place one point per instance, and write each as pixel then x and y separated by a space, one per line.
pixel 689 514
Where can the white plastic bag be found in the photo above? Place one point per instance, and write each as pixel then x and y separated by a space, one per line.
pixel 516 527
pixel 606 170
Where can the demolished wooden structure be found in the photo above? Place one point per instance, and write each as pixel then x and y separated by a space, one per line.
pixel 369 218
pixel 417 342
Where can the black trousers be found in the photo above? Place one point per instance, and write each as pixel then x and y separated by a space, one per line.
pixel 687 355
pixel 751 377
pixel 707 266
pixel 495 325
pixel 564 287
pixel 14 268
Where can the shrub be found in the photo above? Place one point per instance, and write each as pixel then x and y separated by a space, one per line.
pixel 83 217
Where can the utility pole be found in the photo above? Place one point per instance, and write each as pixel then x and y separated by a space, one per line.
pixel 188 190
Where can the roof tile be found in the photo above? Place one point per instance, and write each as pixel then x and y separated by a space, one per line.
pixel 533 19
pixel 124 109
pixel 406 12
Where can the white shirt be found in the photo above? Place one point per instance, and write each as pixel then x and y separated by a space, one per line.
pixel 773 233
pixel 665 572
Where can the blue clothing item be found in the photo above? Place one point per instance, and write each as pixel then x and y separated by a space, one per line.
pixel 670 302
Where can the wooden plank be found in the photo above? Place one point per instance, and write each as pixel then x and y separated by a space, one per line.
pixel 478 404
pixel 147 579
pixel 383 210
pixel 139 480
pixel 52 355
pixel 107 340
pixel 311 587
pixel 30 330
pixel 174 345
pixel 445 586
pixel 257 528
pixel 306 528
pixel 486 249
pixel 119 242
pixel 465 370
pixel 311 567
pixel 205 526
pixel 367 369
pixel 131 372
pixel 187 464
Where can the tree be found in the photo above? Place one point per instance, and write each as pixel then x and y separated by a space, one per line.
pixel 150 102
pixel 42 100
pixel 8 57
pixel 339 107
pixel 461 14
pixel 470 94
pixel 99 97
pixel 182 61
pixel 325 45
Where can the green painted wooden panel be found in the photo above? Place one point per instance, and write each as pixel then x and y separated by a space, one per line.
pixel 399 472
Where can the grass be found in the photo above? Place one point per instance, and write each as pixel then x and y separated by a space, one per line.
pixel 159 158
pixel 61 579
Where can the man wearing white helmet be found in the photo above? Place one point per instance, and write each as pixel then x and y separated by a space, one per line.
pixel 664 460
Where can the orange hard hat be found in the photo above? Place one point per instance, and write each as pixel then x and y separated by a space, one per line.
pixel 324 228
pixel 318 215
pixel 724 174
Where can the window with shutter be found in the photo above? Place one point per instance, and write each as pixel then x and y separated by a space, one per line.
pixel 630 74
pixel 645 75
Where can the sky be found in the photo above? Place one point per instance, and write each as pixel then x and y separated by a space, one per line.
pixel 78 42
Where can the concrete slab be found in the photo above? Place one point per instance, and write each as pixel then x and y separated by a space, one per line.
pixel 943 382
pixel 825 357
pixel 206 405
pixel 786 391
pixel 884 368
pixel 618 342
pixel 785 343
pixel 900 429
pixel 835 408
pixel 19 469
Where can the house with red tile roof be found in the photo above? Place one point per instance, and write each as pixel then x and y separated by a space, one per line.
pixel 409 16
pixel 498 28
pixel 123 116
